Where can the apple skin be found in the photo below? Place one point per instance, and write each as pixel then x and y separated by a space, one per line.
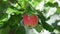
pixel 31 20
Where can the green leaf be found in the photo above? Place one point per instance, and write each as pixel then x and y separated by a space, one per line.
pixel 49 4
pixel 55 25
pixel 40 15
pixel 13 10
pixel 38 28
pixel 5 30
pixel 51 1
pixel 3 6
pixel 36 2
pixel 5 0
pixel 56 4
pixel 20 30
pixel 30 0
pixel 44 24
pixel 14 23
pixel 14 19
pixel 58 10
pixel 22 3
pixel 47 27
pixel 13 29
pixel 3 18
pixel 12 1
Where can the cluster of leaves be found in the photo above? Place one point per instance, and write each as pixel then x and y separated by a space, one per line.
pixel 12 11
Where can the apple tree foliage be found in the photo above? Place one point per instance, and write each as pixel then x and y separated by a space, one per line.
pixel 12 11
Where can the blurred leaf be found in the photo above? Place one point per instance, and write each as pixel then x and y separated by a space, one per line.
pixel 44 24
pixel 40 15
pixel 30 0
pixel 51 1
pixel 48 18
pixel 51 4
pixel 5 30
pixel 22 3
pixel 26 6
pixel 36 2
pixel 20 30
pixel 47 27
pixel 56 4
pixel 38 28
pixel 14 20
pixel 13 11
pixel 56 26
pixel 52 33
pixel 3 18
pixel 58 10
pixel 3 6
pixel 12 1
pixel 5 0
pixel 14 23
pixel 13 29
pixel 3 15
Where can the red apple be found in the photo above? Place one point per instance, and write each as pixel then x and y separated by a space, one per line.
pixel 31 21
